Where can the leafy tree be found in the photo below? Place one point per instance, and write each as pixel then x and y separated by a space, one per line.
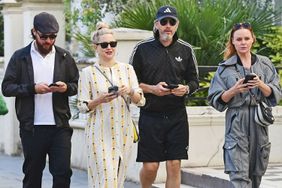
pixel 205 24
pixel 115 6
pixel 81 22
pixel 272 45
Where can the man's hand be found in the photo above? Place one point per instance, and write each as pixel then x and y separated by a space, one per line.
pixel 180 90
pixel 60 87
pixel 42 88
pixel 159 89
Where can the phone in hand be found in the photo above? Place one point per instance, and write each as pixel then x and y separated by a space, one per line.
pixel 113 89
pixel 249 77
pixel 53 84
pixel 171 86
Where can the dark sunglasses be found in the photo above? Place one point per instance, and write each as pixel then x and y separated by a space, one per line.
pixel 45 37
pixel 242 25
pixel 106 44
pixel 171 21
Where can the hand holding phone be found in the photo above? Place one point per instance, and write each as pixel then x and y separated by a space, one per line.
pixel 53 84
pixel 171 86
pixel 113 90
pixel 249 77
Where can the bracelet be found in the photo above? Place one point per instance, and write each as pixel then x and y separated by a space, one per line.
pixel 86 103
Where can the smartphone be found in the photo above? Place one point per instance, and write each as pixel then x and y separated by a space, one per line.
pixel 171 86
pixel 249 77
pixel 113 89
pixel 53 84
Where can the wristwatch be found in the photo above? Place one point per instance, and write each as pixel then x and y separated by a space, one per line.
pixel 187 90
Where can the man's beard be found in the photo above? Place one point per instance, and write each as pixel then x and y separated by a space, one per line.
pixel 166 37
pixel 43 50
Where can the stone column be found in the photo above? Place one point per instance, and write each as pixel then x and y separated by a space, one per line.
pixel 127 39
pixel 12 41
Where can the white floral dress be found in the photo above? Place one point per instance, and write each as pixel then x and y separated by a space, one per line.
pixel 109 134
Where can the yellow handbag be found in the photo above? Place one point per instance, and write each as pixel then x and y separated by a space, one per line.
pixel 136 136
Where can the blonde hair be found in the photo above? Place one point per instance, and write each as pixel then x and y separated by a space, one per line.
pixel 101 29
pixel 230 49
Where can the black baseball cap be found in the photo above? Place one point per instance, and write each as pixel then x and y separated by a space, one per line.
pixel 45 23
pixel 166 12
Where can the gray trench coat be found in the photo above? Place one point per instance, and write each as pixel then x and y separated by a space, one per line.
pixel 247 146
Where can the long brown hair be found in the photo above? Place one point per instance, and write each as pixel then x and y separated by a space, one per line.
pixel 230 49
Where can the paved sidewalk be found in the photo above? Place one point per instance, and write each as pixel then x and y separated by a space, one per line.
pixel 11 175
pixel 214 177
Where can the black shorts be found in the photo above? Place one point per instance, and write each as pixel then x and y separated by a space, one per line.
pixel 163 136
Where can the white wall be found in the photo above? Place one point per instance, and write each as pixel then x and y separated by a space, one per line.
pixel 206 127
pixel 127 39
pixel 12 40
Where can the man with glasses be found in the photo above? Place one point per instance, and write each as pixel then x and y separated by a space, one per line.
pixel 42 76
pixel 167 71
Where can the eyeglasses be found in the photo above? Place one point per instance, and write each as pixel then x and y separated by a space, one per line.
pixel 45 37
pixel 242 25
pixel 171 21
pixel 104 45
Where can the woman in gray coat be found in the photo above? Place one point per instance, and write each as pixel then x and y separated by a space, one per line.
pixel 247 146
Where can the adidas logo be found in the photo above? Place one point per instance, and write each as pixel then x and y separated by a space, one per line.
pixel 167 10
pixel 179 59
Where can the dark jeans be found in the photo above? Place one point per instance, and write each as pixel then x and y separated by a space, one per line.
pixel 46 140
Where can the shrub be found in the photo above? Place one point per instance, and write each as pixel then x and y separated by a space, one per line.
pixel 205 24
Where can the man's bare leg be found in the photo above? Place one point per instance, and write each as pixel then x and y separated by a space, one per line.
pixel 148 174
pixel 173 174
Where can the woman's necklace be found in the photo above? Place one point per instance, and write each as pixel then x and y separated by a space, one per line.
pixel 107 63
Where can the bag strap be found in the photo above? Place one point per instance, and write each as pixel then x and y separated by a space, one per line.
pixel 104 75
pixel 253 97
pixel 127 106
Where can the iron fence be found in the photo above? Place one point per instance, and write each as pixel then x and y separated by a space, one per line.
pixel 195 99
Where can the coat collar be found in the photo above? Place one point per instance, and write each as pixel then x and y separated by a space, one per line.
pixel 59 58
pixel 235 59
pixel 231 61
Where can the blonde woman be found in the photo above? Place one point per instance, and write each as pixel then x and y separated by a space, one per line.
pixel 105 90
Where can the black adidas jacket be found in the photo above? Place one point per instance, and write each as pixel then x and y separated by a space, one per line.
pixel 175 64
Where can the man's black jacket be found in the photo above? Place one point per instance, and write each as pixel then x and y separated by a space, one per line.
pixel 174 64
pixel 19 82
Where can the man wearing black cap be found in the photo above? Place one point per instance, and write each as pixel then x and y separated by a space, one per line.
pixel 42 76
pixel 166 68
